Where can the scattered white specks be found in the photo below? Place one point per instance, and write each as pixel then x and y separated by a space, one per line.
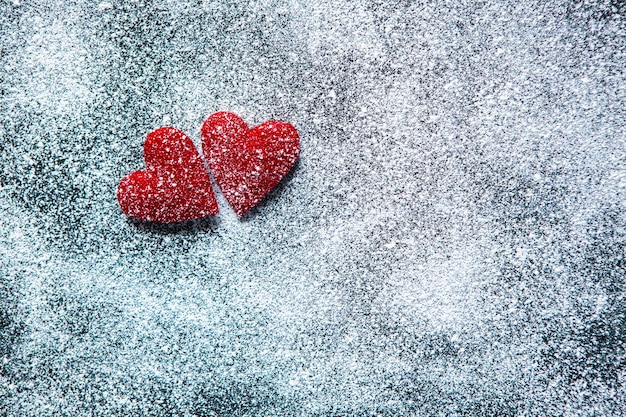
pixel 105 6
pixel 451 242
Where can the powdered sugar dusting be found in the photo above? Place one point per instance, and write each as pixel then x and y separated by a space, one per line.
pixel 450 242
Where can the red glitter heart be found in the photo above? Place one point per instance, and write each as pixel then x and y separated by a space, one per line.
pixel 174 187
pixel 248 163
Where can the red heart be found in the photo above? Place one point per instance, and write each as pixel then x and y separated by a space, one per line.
pixel 248 163
pixel 174 187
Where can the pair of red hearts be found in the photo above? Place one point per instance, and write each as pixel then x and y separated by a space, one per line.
pixel 175 186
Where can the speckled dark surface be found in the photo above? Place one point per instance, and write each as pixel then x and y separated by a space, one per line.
pixel 450 243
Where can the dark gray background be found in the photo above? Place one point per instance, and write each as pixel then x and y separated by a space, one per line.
pixel 451 242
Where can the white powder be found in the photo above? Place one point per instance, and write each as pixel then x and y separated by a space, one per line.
pixel 451 241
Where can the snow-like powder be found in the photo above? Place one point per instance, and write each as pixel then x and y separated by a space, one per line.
pixel 451 241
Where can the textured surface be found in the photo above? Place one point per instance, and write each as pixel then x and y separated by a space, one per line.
pixel 451 241
pixel 248 163
pixel 174 187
